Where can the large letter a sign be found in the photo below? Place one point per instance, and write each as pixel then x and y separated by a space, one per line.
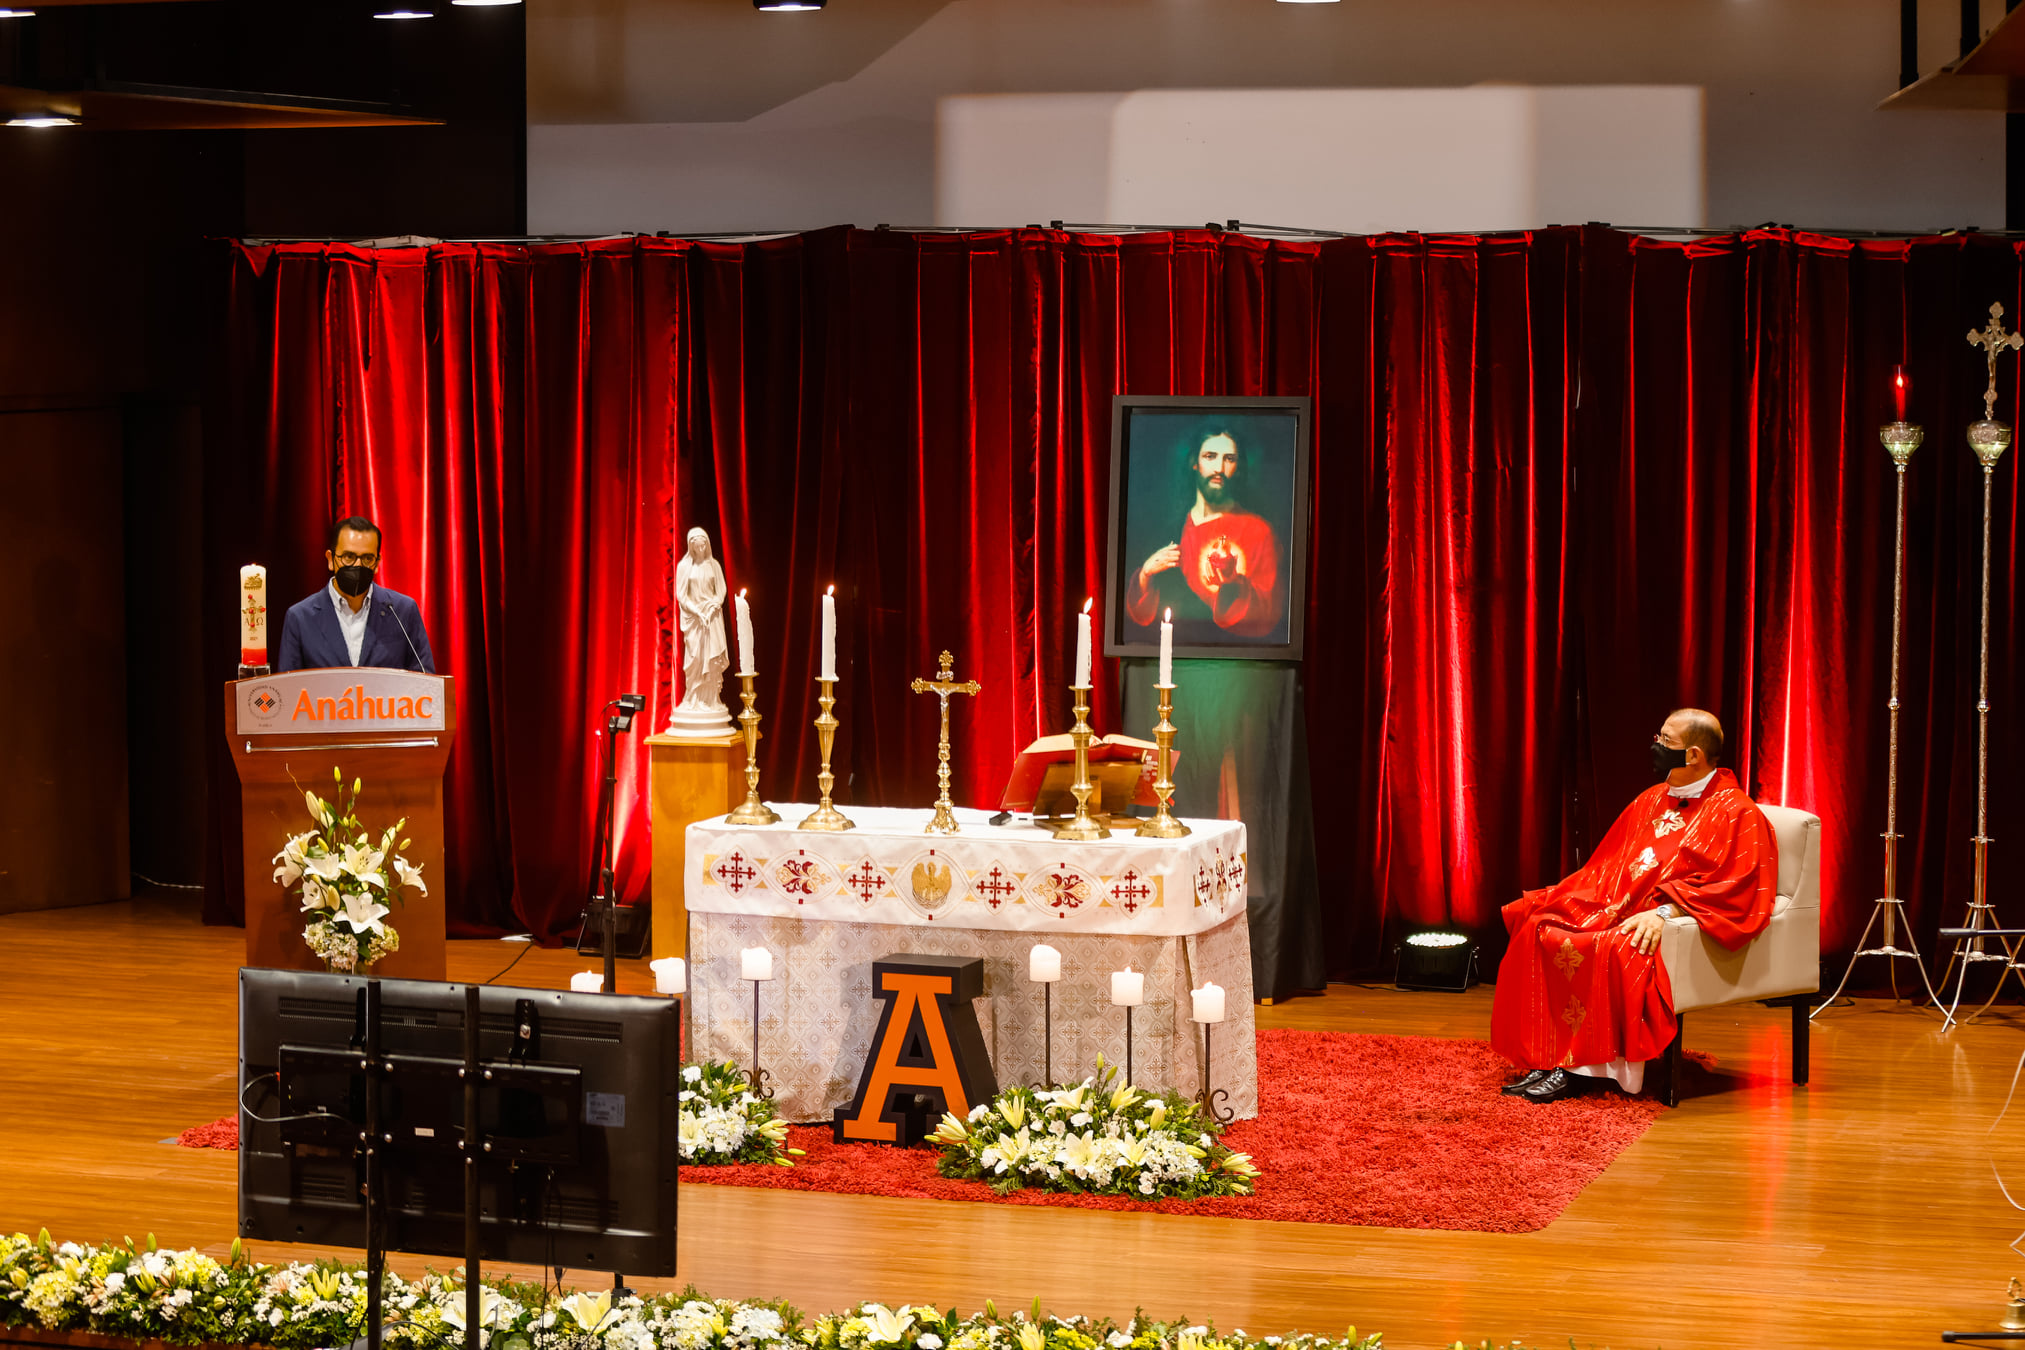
pixel 928 1055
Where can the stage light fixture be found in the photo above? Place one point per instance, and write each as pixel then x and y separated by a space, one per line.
pixel 17 13
pixel 406 14
pixel 43 120
pixel 786 6
pixel 1442 961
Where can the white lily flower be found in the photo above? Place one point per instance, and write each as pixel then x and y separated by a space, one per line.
pixel 591 1312
pixel 884 1326
pixel 328 866
pixel 363 913
pixel 410 876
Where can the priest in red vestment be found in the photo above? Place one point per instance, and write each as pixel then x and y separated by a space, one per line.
pixel 1582 997
pixel 1226 564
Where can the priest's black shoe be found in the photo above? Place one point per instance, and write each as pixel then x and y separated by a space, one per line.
pixel 1555 1086
pixel 1519 1085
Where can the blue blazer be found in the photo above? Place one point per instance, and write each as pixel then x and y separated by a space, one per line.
pixel 311 638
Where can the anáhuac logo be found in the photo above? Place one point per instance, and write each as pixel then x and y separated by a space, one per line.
pixel 265 702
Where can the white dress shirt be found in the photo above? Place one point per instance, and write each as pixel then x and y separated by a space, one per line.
pixel 352 625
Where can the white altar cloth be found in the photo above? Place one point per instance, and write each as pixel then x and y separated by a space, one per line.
pixel 829 904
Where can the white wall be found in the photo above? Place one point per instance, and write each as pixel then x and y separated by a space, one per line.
pixel 704 114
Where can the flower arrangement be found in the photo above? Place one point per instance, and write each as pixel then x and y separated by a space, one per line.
pixel 1093 1139
pixel 343 880
pixel 186 1297
pixel 722 1122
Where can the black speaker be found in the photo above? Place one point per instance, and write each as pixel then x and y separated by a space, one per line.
pixel 635 927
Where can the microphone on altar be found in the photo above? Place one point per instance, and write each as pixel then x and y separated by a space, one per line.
pixel 420 664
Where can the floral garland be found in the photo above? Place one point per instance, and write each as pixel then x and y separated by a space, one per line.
pixel 1093 1139
pixel 186 1297
pixel 343 880
pixel 722 1122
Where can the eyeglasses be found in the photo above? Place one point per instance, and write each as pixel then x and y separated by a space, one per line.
pixel 358 560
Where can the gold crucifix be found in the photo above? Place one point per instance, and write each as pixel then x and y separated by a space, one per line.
pixel 1994 341
pixel 942 686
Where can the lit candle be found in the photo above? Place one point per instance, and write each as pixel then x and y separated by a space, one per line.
pixel 829 634
pixel 253 615
pixel 1208 1002
pixel 755 963
pixel 671 976
pixel 1167 650
pixel 588 982
pixel 1083 647
pixel 1898 391
pixel 745 637
pixel 1044 964
pixel 1128 987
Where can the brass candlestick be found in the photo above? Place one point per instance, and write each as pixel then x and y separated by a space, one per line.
pixel 1163 825
pixel 1082 825
pixel 1900 439
pixel 752 811
pixel 826 816
pixel 943 685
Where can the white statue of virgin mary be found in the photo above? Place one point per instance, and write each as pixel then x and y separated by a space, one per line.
pixel 699 597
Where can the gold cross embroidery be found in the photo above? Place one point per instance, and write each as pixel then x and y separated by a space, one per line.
pixel 1646 862
pixel 1668 823
pixel 1574 1013
pixel 1567 958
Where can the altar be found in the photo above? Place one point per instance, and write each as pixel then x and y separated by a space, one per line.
pixel 827 905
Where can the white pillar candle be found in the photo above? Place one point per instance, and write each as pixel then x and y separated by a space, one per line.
pixel 755 963
pixel 829 634
pixel 1167 650
pixel 1128 987
pixel 1208 1003
pixel 1044 964
pixel 671 976
pixel 1083 647
pixel 745 637
pixel 588 982
pixel 253 615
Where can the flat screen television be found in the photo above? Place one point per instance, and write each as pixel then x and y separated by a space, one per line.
pixel 577 1103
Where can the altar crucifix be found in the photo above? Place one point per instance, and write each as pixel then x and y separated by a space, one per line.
pixel 942 686
pixel 1994 341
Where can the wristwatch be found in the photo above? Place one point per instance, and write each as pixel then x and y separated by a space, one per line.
pixel 1666 911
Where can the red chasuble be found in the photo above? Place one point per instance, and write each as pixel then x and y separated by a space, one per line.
pixel 1232 563
pixel 1574 988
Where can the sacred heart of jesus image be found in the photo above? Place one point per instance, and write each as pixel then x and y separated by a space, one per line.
pixel 1222 561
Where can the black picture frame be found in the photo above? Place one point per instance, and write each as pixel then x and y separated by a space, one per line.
pixel 1152 496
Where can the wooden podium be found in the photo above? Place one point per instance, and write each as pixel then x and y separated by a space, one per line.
pixel 390 727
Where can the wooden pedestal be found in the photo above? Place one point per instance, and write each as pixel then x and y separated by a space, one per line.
pixel 689 780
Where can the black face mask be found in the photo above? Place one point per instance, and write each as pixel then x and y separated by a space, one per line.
pixel 354 580
pixel 1665 761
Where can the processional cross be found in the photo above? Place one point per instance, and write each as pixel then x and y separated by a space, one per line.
pixel 1994 341
pixel 942 686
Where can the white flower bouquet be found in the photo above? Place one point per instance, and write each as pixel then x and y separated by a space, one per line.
pixel 345 881
pixel 722 1122
pixel 1093 1139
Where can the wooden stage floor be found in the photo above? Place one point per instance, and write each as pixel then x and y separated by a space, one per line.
pixel 1860 1211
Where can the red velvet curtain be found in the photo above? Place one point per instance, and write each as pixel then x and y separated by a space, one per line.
pixel 1563 481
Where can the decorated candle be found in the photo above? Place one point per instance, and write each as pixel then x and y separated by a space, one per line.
pixel 1128 987
pixel 1167 650
pixel 1083 648
pixel 745 637
pixel 829 635
pixel 755 963
pixel 1044 964
pixel 253 615
pixel 588 982
pixel 1208 1003
pixel 671 976
pixel 1898 392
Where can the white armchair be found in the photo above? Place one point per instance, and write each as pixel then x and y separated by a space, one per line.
pixel 1782 965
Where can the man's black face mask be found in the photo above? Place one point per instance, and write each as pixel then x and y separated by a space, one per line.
pixel 353 580
pixel 1665 760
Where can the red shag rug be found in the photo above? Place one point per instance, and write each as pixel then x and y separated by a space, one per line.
pixel 1381 1131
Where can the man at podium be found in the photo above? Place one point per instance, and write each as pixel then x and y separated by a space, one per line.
pixel 352 621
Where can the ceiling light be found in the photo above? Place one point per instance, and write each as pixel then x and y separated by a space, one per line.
pixel 787 6
pixel 42 120
pixel 17 13
pixel 406 14
pixel 484 2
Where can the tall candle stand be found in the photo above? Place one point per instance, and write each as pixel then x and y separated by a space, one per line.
pixel 1047 1082
pixel 825 816
pixel 1163 825
pixel 1128 1045
pixel 752 811
pixel 1212 1102
pixel 1900 440
pixel 1082 825
pixel 1988 438
pixel 755 1077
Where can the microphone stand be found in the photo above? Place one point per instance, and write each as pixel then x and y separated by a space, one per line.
pixel 604 904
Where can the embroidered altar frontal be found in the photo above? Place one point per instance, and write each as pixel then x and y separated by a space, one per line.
pixel 829 904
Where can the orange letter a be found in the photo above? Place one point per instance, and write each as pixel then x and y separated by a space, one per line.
pixel 928 1055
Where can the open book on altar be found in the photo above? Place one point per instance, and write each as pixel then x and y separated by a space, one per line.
pixel 1122 770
